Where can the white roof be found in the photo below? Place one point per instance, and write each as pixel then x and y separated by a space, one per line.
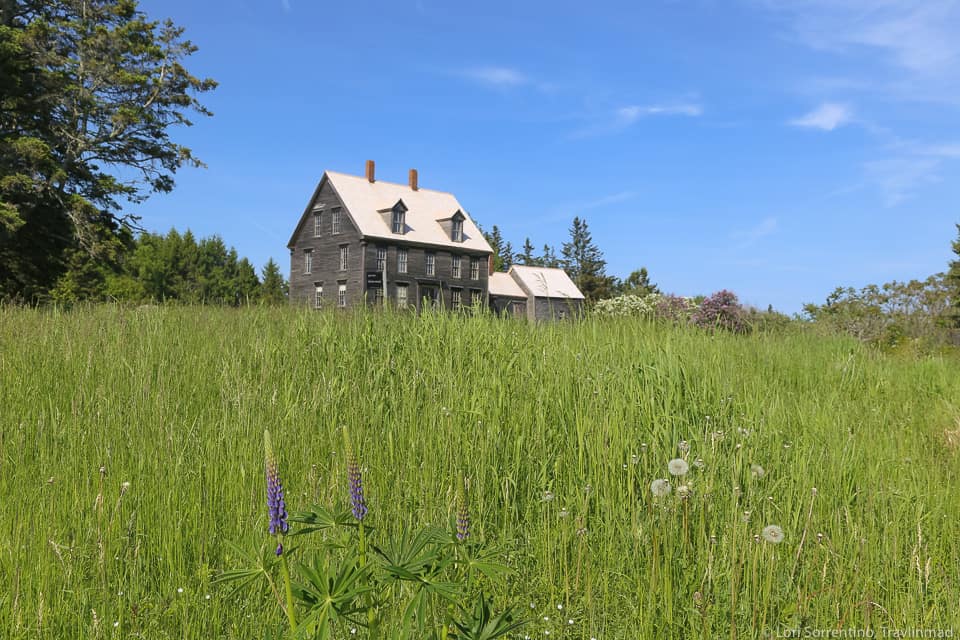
pixel 546 282
pixel 502 284
pixel 367 201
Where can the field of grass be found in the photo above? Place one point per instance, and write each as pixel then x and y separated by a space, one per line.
pixel 560 430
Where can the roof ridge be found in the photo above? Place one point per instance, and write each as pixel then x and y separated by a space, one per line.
pixel 392 184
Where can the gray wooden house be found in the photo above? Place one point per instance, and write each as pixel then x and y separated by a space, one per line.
pixel 539 293
pixel 361 239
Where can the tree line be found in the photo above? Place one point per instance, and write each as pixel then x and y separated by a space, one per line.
pixel 175 268
pixel 921 312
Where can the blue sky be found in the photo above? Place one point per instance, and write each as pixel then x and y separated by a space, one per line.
pixel 777 148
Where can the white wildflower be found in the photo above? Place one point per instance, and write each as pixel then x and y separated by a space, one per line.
pixel 678 467
pixel 772 534
pixel 660 488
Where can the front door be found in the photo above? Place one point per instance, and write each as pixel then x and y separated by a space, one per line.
pixel 429 296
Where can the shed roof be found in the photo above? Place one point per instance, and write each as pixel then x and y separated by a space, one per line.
pixel 367 201
pixel 503 285
pixel 546 282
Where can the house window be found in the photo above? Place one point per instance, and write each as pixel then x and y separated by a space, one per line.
pixel 474 268
pixel 456 298
pixel 398 222
pixel 344 256
pixel 456 267
pixel 456 232
pixel 316 224
pixel 335 221
pixel 402 260
pixel 342 295
pixel 317 296
pixel 402 296
pixel 307 260
pixel 381 259
pixel 476 297
pixel 431 264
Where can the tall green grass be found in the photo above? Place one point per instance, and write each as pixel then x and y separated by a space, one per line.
pixel 560 429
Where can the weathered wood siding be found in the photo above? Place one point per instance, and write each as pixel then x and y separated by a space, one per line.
pixel 508 306
pixel 416 277
pixel 543 309
pixel 326 255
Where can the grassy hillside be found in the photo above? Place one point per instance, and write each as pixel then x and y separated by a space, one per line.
pixel 560 430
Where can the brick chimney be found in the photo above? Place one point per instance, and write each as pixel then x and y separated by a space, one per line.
pixel 370 174
pixel 413 179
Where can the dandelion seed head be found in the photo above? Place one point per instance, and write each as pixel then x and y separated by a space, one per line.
pixel 757 471
pixel 684 492
pixel 772 534
pixel 660 488
pixel 683 446
pixel 678 467
pixel 547 496
pixel 745 517
pixel 698 463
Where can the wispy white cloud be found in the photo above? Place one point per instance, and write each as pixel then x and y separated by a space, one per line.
pixel 606 201
pixel 940 150
pixel 919 35
pixel 900 177
pixel 749 237
pixel 498 77
pixel 826 117
pixel 631 113
pixel 621 118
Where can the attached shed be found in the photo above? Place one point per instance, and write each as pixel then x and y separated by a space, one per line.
pixel 550 293
pixel 506 296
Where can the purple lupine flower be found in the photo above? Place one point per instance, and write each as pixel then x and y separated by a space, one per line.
pixel 276 505
pixel 463 516
pixel 356 488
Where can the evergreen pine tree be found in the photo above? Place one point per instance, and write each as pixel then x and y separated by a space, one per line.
pixel 527 257
pixel 584 263
pixel 273 287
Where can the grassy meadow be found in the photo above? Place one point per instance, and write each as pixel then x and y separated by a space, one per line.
pixel 131 453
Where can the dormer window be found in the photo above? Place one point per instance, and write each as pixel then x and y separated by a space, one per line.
pixel 399 221
pixel 456 230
